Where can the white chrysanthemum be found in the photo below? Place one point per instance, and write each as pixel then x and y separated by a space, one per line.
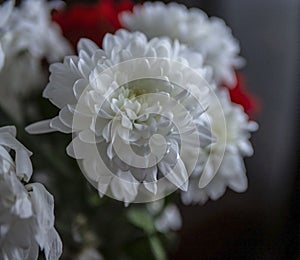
pixel 123 100
pixel 26 211
pixel 212 180
pixel 28 27
pixel 27 35
pixel 209 36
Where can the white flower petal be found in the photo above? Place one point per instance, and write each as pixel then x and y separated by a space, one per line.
pixel 58 125
pixel 124 190
pixel 176 175
pixel 40 127
pixel 88 46
pixel 43 205
pixel 23 163
pixel 9 129
pixel 2 57
pixel 5 11
pixel 53 245
pixel 170 219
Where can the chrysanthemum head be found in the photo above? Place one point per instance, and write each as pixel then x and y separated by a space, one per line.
pixel 208 36
pixel 136 111
pixel 26 209
pixel 232 145
pixel 146 129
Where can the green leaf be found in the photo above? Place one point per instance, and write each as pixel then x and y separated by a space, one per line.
pixel 157 248
pixel 141 219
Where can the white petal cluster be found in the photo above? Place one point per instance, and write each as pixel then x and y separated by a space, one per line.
pixel 168 218
pixel 212 179
pixel 131 108
pixel 208 36
pixel 27 35
pixel 26 210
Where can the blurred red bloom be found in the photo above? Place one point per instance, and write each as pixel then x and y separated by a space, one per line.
pixel 91 21
pixel 240 95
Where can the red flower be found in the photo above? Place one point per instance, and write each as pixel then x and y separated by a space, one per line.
pixel 240 95
pixel 91 21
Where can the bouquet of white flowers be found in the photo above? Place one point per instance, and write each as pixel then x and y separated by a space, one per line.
pixel 149 110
